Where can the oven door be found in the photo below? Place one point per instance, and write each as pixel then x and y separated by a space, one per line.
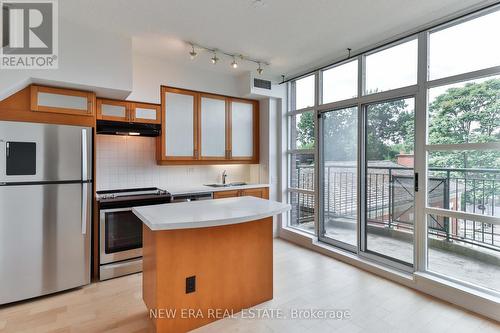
pixel 120 235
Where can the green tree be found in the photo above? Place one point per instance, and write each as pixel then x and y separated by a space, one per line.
pixel 459 115
pixel 390 130
pixel 468 114
pixel 305 130
pixel 340 135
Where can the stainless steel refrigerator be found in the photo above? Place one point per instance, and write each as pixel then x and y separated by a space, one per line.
pixel 45 208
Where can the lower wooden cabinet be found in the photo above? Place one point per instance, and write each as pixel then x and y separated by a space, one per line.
pixel 261 192
pixel 226 194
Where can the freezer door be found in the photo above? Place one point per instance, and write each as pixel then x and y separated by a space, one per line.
pixel 32 152
pixel 44 239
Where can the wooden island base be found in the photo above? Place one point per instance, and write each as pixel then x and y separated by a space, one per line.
pixel 233 266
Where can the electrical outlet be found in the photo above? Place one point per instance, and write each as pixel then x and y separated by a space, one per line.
pixel 190 284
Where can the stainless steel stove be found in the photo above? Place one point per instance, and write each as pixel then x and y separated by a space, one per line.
pixel 120 231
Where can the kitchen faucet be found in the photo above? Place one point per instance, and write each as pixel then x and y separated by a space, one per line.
pixel 224 176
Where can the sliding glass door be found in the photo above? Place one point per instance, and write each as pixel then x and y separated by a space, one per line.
pixel 338 173
pixel 388 220
pixel 387 136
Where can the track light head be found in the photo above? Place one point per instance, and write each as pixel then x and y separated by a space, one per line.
pixel 260 69
pixel 234 64
pixel 192 53
pixel 214 59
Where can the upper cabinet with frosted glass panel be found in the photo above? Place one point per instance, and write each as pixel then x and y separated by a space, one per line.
pixel 64 101
pixel 108 109
pixel 125 111
pixel 179 140
pixel 145 113
pixel 244 125
pixel 200 128
pixel 213 120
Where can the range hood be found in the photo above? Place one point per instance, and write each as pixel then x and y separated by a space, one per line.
pixel 133 129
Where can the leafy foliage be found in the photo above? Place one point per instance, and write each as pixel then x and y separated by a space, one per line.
pixel 470 114
pixel 390 130
pixel 305 130
pixel 340 132
pixel 459 115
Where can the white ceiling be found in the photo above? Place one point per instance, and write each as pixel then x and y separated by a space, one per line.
pixel 293 35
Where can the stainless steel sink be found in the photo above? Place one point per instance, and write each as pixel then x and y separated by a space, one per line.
pixel 227 185
pixel 217 185
pixel 237 184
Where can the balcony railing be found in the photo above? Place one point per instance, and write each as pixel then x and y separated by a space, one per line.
pixel 390 199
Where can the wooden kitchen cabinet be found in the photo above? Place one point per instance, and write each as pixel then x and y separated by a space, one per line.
pixel 114 110
pixel 244 122
pixel 226 194
pixel 202 128
pixel 179 139
pixel 64 101
pixel 145 113
pixel 261 192
pixel 127 111
pixel 213 127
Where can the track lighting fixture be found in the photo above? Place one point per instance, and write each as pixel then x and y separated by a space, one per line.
pixel 215 59
pixel 192 53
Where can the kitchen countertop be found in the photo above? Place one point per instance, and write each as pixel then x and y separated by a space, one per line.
pixel 204 189
pixel 208 213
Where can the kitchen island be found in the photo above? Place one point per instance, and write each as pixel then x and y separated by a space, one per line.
pixel 206 260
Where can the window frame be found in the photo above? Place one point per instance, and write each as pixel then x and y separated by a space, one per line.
pixel 292 111
pixel 321 74
pixel 383 48
pixel 419 92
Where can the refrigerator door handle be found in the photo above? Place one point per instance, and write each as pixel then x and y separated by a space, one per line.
pixel 84 155
pixel 84 207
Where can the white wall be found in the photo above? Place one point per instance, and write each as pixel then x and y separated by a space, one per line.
pixel 128 162
pixel 88 59
pixel 150 72
pixel 106 63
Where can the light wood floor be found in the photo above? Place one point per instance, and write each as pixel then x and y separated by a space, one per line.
pixel 303 280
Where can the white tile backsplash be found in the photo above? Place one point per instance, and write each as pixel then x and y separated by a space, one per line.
pixel 128 162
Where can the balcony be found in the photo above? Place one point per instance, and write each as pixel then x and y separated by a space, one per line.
pixel 470 250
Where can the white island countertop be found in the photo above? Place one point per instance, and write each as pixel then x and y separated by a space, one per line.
pixel 208 213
